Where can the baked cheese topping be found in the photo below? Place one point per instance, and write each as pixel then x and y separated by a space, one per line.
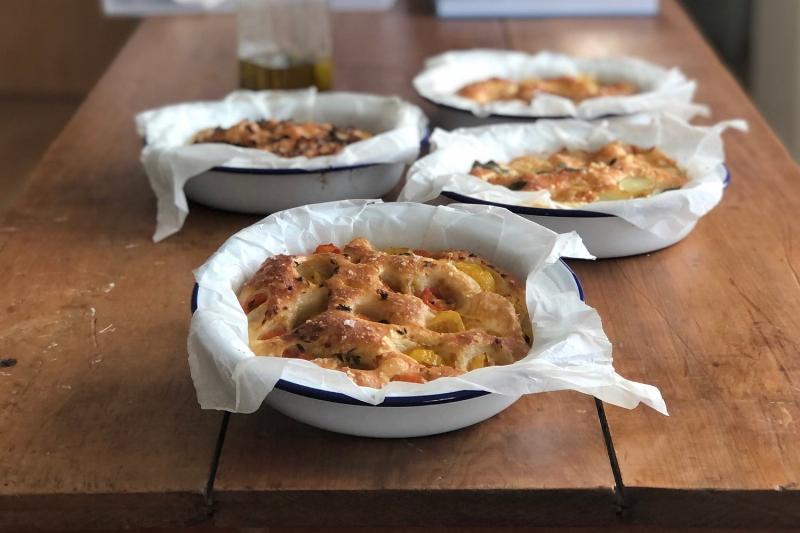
pixel 576 88
pixel 617 171
pixel 285 137
pixel 392 315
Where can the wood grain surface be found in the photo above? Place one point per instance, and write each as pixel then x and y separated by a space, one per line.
pixel 100 427
pixel 542 461
pixel 511 464
pixel 714 321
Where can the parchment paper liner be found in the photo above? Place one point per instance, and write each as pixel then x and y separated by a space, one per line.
pixel 662 90
pixel 570 349
pixel 696 149
pixel 170 162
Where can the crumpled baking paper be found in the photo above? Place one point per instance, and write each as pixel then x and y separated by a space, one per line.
pixel 570 349
pixel 696 149
pixel 663 90
pixel 169 162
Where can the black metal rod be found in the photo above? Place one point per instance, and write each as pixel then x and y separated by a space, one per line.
pixel 212 474
pixel 619 486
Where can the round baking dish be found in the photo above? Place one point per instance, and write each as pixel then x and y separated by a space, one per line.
pixel 252 181
pixel 397 416
pixel 662 89
pixel 264 191
pixel 450 117
pixel 603 234
pixel 614 228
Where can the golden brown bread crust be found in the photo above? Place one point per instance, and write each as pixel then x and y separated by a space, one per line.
pixel 404 315
pixel 576 88
pixel 284 137
pixel 617 171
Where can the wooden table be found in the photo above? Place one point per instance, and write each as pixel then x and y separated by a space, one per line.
pixel 99 425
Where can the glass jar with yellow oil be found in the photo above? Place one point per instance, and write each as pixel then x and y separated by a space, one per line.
pixel 284 44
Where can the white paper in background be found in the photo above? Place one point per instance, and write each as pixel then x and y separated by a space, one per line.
pixel 397 126
pixel 570 349
pixel 663 90
pixel 696 149
pixel 545 8
pixel 189 7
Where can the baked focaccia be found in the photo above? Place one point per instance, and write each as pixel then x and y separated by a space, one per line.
pixel 617 171
pixel 576 88
pixel 392 315
pixel 284 137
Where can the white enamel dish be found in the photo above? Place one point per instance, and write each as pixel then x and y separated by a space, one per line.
pixel 604 235
pixel 451 118
pixel 264 191
pixel 661 89
pixel 398 416
pixel 615 228
pixel 252 181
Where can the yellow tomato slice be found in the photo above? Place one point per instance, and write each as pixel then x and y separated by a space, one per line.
pixel 447 322
pixel 636 184
pixel 426 357
pixel 478 361
pixel 482 276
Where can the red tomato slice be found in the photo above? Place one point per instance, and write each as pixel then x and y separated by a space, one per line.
pixel 432 300
pixel 329 248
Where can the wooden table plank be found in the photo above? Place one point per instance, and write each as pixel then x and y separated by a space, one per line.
pixel 536 463
pixel 100 425
pixel 714 322
pixel 542 461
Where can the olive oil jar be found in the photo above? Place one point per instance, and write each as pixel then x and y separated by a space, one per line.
pixel 284 44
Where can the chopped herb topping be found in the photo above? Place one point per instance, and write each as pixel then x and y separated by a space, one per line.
pixel 350 358
pixel 489 165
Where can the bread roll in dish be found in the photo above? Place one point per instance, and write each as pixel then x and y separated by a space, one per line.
pixel 387 315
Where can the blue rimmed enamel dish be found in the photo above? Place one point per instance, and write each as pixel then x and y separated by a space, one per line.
pixel 603 234
pixel 397 416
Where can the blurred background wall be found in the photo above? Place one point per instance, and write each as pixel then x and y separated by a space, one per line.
pixel 53 51
pixel 775 67
pixel 759 40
